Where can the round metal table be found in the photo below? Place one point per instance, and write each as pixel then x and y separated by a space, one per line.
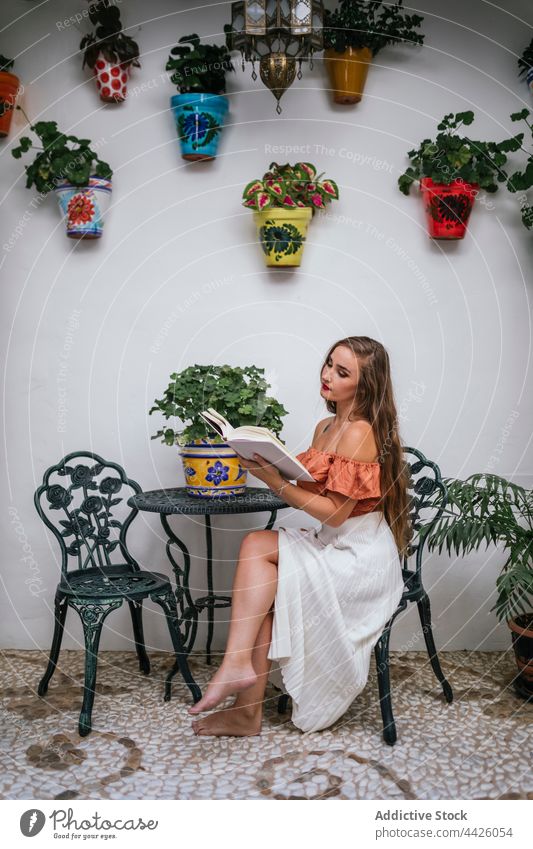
pixel 168 502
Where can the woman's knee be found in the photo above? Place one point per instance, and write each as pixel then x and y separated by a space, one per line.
pixel 260 544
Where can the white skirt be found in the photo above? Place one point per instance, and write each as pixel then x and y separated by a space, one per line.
pixel 337 588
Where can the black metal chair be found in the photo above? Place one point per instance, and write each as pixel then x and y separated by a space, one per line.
pixel 428 494
pixel 88 534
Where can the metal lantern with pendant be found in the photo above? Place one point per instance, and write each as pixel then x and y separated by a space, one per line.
pixel 277 34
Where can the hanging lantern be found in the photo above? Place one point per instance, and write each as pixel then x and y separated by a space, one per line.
pixel 277 34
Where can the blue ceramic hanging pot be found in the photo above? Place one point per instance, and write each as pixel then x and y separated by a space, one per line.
pixel 199 121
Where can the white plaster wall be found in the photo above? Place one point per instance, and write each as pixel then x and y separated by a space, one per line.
pixel 178 278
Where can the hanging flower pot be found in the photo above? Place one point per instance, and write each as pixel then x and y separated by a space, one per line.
pixel 9 87
pixel 84 207
pixel 199 121
pixel 212 470
pixel 200 107
pixel 348 72
pixel 447 207
pixel 284 201
pixel 111 79
pixel 109 52
pixel 282 234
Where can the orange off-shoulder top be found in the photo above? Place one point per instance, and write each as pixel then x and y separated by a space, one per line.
pixel 337 473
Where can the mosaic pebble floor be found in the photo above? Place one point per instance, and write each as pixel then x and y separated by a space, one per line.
pixel 477 747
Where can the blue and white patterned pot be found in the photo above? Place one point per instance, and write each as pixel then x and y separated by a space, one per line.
pixel 84 208
pixel 212 470
pixel 199 121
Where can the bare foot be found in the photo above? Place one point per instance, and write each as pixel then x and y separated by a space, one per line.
pixel 226 681
pixel 233 722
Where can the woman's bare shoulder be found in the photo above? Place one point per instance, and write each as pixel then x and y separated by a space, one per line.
pixel 358 442
pixel 319 429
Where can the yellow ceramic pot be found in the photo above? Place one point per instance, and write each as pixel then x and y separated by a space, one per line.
pixel 282 234
pixel 212 470
pixel 347 72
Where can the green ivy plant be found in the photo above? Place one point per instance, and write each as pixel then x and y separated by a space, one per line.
pixel 366 23
pixel 199 67
pixel 6 64
pixel 239 394
pixel 60 157
pixel 108 38
pixel 525 62
pixel 288 187
pixel 488 508
pixel 523 180
pixel 452 156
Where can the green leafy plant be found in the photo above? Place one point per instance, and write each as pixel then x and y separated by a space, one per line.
pixel 6 64
pixel 60 157
pixel 525 61
pixel 488 508
pixel 366 23
pixel 108 37
pixel 199 67
pixel 455 157
pixel 523 180
pixel 290 186
pixel 240 394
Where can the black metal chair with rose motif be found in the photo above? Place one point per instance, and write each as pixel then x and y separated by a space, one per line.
pixel 91 536
pixel 428 498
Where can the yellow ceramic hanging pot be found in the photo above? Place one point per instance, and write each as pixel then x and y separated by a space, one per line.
pixel 282 234
pixel 348 72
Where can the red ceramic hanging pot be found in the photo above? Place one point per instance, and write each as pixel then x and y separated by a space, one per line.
pixel 447 207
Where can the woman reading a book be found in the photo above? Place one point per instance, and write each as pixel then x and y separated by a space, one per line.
pixel 315 600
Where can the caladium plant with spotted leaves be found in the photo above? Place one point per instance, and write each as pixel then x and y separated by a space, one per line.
pixel 289 187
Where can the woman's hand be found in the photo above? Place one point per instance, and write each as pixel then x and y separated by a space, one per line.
pixel 262 469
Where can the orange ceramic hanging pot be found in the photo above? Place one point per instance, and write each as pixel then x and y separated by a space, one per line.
pixel 348 72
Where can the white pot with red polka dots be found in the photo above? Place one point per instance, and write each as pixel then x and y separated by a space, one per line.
pixel 111 79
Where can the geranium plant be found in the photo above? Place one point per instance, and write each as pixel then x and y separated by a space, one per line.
pixel 108 38
pixel 61 157
pixel 523 180
pixel 6 64
pixel 289 187
pixel 240 394
pixel 452 156
pixel 199 67
pixel 525 62
pixel 365 23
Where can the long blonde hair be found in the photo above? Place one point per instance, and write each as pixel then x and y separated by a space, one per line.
pixel 374 399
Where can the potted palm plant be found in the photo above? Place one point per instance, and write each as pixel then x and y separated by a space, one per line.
pixel 451 170
pixel 109 52
pixel 9 87
pixel 522 180
pixel 488 508
pixel 211 467
pixel 200 107
pixel 68 166
pixel 525 65
pixel 354 33
pixel 284 201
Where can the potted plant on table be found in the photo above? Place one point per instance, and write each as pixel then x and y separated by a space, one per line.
pixel 354 33
pixel 68 166
pixel 284 201
pixel 9 87
pixel 488 508
pixel 523 180
pixel 211 466
pixel 200 107
pixel 451 170
pixel 525 65
pixel 109 52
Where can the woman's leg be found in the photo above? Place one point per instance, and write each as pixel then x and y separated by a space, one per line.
pixel 254 590
pixel 244 717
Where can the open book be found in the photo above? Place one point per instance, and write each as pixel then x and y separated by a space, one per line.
pixel 248 440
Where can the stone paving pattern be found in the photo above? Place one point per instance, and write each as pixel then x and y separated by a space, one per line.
pixel 477 747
